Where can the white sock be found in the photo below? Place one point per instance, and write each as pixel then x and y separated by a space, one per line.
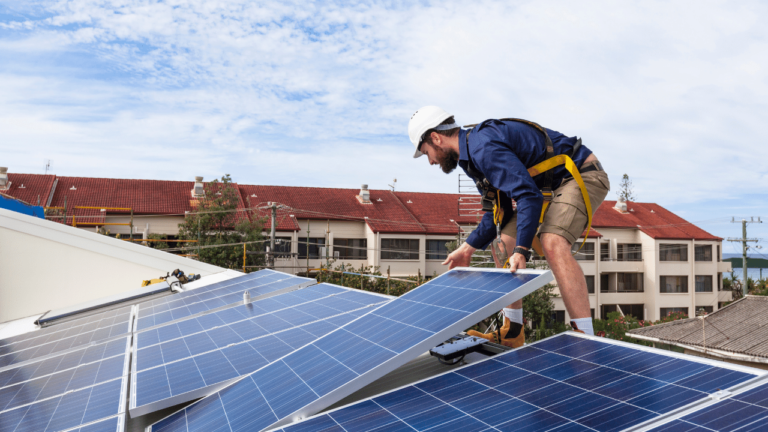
pixel 585 325
pixel 514 315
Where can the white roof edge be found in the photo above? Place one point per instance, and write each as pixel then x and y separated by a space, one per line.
pixel 101 244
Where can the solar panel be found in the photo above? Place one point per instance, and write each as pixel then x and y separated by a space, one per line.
pixel 564 383
pixel 112 424
pixel 57 342
pixel 71 393
pixel 183 361
pixel 67 329
pixel 321 373
pixel 193 303
pixel 61 374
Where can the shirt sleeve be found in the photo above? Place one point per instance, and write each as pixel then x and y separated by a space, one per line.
pixel 484 234
pixel 507 173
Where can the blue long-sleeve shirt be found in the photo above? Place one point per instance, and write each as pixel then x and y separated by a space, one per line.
pixel 503 151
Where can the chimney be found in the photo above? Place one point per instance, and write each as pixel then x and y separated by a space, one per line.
pixel 365 195
pixel 4 183
pixel 197 191
pixel 621 205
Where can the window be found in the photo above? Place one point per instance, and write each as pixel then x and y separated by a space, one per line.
pixel 707 309
pixel 703 283
pixel 703 253
pixel 673 252
pixel 436 249
pixel 718 253
pixel 669 311
pixel 314 247
pixel 629 252
pixel 674 284
pixel 351 248
pixel 635 310
pixel 587 253
pixel 399 249
pixel 629 282
pixel 605 251
pixel 719 281
pixel 590 284
pixel 604 283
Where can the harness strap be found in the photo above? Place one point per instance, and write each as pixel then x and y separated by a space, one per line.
pixel 556 161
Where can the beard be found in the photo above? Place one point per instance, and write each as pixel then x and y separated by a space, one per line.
pixel 448 159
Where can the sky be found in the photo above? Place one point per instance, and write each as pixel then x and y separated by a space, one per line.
pixel 672 93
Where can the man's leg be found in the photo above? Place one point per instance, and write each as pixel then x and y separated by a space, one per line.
pixel 570 280
pixel 509 243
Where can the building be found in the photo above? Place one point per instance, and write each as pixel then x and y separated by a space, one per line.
pixel 640 258
pixel 645 261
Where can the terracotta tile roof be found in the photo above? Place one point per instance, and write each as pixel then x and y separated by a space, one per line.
pixel 143 196
pixel 652 219
pixel 383 214
pixel 30 187
pixel 438 213
pixel 738 328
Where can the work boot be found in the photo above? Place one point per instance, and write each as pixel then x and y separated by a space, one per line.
pixel 512 334
pixel 575 327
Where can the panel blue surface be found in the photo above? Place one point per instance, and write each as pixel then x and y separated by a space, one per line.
pixel 744 412
pixel 562 384
pixel 67 411
pixel 194 354
pixel 415 321
pixel 113 424
pixel 67 380
pixel 66 342
pixel 180 306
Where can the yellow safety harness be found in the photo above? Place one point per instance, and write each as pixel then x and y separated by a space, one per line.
pixel 546 168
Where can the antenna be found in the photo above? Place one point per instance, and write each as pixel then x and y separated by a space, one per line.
pixel 394 182
pixel 47 165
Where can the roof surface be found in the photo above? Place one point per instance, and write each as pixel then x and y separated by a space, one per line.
pixel 30 187
pixel 652 219
pixel 741 328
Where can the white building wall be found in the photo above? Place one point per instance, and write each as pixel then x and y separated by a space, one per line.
pixel 46 265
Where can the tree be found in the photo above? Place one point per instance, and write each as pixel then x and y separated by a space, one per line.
pixel 217 221
pixel 625 189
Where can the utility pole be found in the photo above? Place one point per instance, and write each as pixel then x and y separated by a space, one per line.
pixel 271 256
pixel 743 240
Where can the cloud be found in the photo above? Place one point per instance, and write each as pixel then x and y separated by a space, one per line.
pixel 301 93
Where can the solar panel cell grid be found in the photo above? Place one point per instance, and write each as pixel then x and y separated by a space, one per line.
pixel 409 323
pixel 561 384
pixel 68 328
pixel 169 364
pixel 57 346
pixel 225 296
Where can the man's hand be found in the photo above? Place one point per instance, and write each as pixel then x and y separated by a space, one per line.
pixel 516 262
pixel 461 257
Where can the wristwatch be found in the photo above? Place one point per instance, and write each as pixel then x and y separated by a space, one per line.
pixel 524 252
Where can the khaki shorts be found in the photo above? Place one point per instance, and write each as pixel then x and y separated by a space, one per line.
pixel 566 215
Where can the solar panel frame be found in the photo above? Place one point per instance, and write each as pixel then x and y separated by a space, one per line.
pixel 138 410
pixel 100 425
pixel 293 283
pixel 350 385
pixel 314 422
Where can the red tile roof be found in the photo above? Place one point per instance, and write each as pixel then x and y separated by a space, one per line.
pixel 388 212
pixel 652 219
pixel 30 188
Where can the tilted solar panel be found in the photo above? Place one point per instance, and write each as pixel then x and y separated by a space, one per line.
pixel 112 424
pixel 69 398
pixel 65 377
pixel 565 383
pixel 319 374
pixel 66 329
pixel 64 341
pixel 193 304
pixel 183 361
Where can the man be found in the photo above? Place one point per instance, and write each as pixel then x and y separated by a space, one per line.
pixel 501 152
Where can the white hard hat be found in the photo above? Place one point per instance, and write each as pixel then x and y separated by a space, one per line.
pixel 426 118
